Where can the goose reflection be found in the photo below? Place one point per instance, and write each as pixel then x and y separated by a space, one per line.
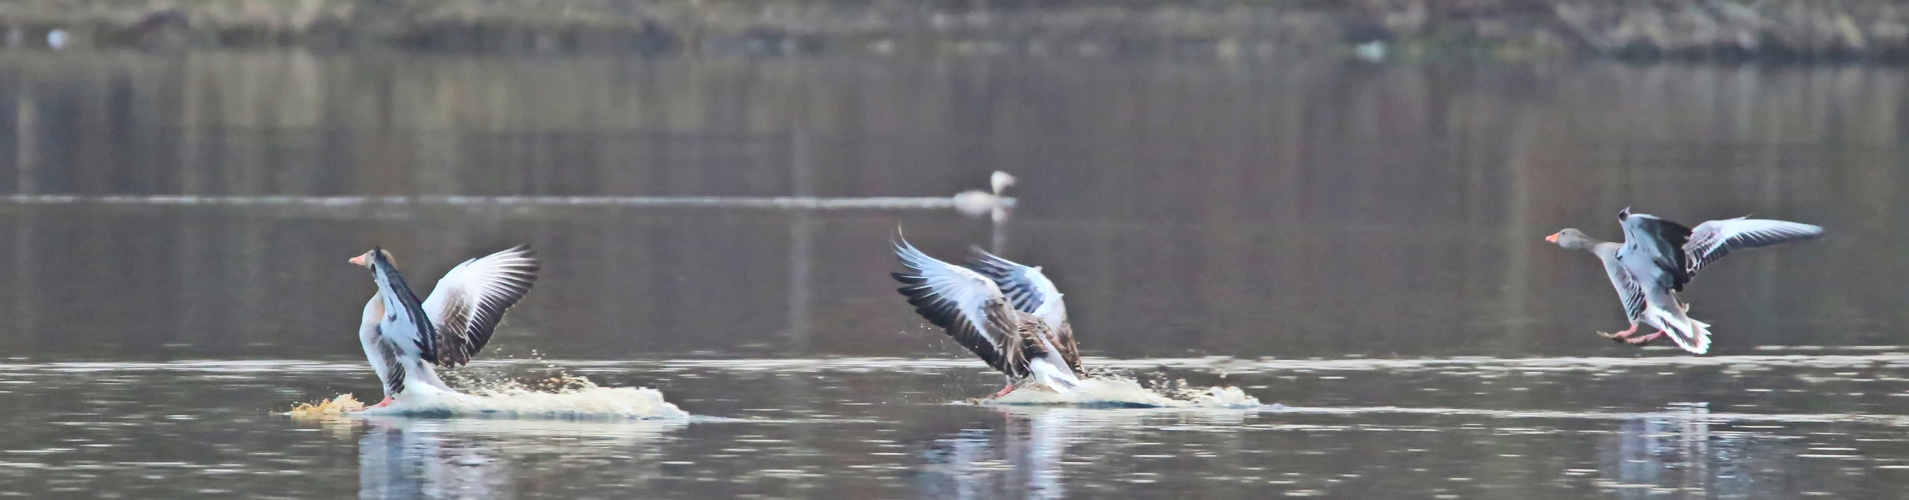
pixel 1020 459
pixel 1679 448
pixel 477 459
pixel 1023 457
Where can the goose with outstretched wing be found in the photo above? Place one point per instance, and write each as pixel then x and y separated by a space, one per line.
pixel 403 336
pixel 1031 292
pixel 1658 257
pixel 976 314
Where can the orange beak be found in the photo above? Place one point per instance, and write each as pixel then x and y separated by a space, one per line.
pixel 1552 238
pixel 359 260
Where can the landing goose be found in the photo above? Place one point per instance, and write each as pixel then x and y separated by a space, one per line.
pixel 403 337
pixel 1015 334
pixel 1658 257
pixel 1031 292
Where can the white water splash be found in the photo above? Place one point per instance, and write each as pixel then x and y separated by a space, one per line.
pixel 1127 392
pixel 564 397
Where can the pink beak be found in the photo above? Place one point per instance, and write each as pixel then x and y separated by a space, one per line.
pixel 1552 238
pixel 359 260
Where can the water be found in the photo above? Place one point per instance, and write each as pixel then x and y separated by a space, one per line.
pixel 1358 246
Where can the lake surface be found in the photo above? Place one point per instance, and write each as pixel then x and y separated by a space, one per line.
pixel 1359 244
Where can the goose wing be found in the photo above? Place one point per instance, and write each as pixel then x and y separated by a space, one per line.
pixel 1026 287
pixel 1632 295
pixel 966 304
pixel 406 326
pixel 1712 240
pixel 470 300
pixel 1031 292
pixel 1654 251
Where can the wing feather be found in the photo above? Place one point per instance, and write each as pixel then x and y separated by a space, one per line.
pixel 400 300
pixel 966 304
pixel 470 300
pixel 1026 287
pixel 1633 297
pixel 1711 240
pixel 393 367
pixel 1662 242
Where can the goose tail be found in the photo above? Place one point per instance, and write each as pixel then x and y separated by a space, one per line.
pixel 1057 378
pixel 1688 333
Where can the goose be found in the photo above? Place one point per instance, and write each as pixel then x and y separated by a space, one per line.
pixel 403 337
pixel 1658 257
pixel 1023 332
pixel 976 203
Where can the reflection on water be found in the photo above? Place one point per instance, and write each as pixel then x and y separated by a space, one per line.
pixel 1024 453
pixel 1020 459
pixel 479 458
pixel 151 430
pixel 408 461
pixel 1683 451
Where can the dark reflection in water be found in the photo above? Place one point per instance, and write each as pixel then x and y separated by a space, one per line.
pixel 1019 460
pixel 1685 450
pixel 420 458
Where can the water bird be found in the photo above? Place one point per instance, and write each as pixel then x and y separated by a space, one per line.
pixel 1009 314
pixel 1658 257
pixel 975 202
pixel 403 337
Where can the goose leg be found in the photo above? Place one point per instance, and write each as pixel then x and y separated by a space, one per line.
pixel 1620 336
pixel 1004 392
pixel 381 404
pixel 1643 339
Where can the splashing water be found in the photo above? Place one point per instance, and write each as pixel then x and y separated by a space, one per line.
pixel 567 397
pixel 340 405
pixel 1120 391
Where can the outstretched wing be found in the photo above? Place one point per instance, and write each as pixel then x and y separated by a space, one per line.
pixel 1712 240
pixel 470 300
pixel 1026 287
pixel 405 323
pixel 1660 243
pixel 966 304
pixel 1632 295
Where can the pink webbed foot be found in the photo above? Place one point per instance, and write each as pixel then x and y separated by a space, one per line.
pixel 1004 392
pixel 381 404
pixel 1644 339
pixel 1619 336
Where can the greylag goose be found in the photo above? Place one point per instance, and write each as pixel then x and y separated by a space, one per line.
pixel 1659 256
pixel 403 337
pixel 1022 332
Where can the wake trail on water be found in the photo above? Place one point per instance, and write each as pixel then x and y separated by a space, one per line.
pixel 564 396
pixel 1120 391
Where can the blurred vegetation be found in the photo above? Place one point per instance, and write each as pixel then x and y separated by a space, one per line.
pixel 1701 29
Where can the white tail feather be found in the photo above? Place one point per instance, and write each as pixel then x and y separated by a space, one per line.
pixel 1690 334
pixel 1054 377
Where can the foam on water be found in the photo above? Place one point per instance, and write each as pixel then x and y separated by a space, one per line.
pixel 1123 392
pixel 564 397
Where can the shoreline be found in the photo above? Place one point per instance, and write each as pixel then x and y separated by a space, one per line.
pixel 1379 30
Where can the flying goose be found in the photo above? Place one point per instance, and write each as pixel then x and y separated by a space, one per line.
pixel 403 337
pixel 1659 256
pixel 1023 333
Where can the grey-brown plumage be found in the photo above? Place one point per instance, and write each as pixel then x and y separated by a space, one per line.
pixel 976 314
pixel 1659 257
